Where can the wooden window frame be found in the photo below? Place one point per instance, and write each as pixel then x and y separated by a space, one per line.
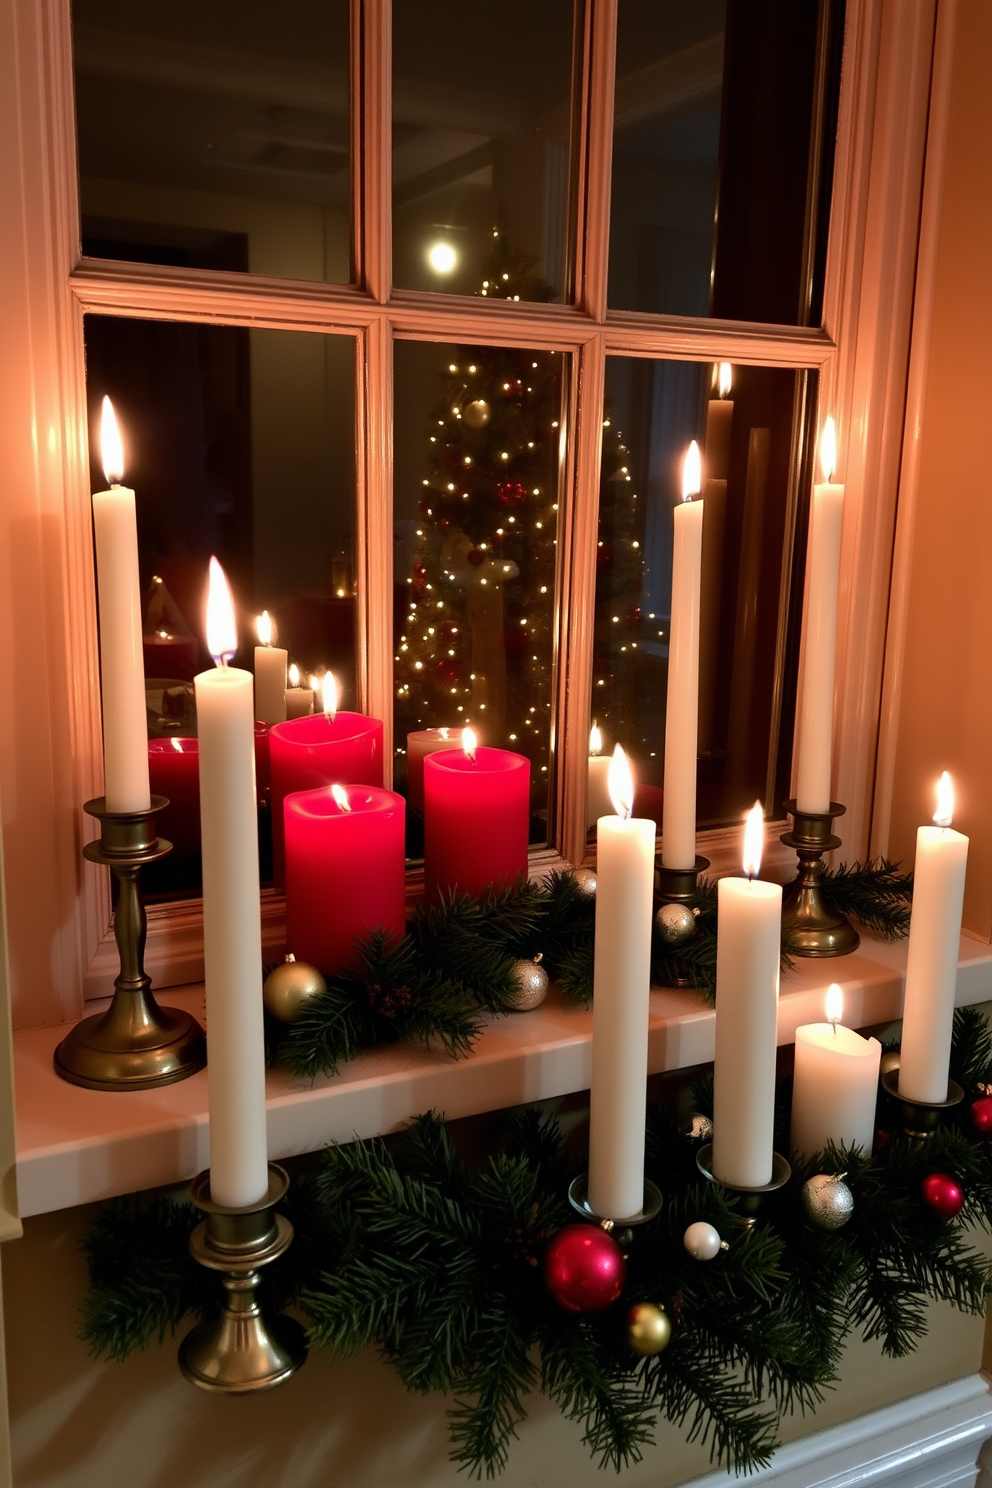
pixel 50 753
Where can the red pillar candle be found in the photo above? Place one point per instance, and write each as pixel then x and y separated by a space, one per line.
pixel 174 772
pixel 317 750
pixel 345 871
pixel 476 819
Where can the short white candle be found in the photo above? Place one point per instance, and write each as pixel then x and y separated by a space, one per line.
pixel 270 674
pixel 299 700
pixel 678 828
pixel 419 745
pixel 816 718
pixel 125 718
pixel 934 947
pixel 622 984
pixel 836 1083
pixel 749 935
pixel 597 789
pixel 232 929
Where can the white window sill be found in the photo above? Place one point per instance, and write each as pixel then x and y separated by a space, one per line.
pixel 74 1146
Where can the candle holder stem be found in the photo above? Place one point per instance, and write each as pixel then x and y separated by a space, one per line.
pixel 920 1119
pixel 814 928
pixel 678 885
pixel 623 1229
pixel 135 1044
pixel 751 1200
pixel 241 1349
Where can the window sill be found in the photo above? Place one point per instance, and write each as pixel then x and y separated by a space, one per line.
pixel 75 1146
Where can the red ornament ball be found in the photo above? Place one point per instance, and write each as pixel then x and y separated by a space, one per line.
pixel 419 574
pixel 942 1194
pixel 981 1115
pixel 584 1268
pixel 513 389
pixel 476 557
pixel 449 670
pixel 511 493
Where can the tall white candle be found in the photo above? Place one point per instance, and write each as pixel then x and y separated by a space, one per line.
pixel 232 929
pixel 749 933
pixel 719 423
pixel 836 1084
pixel 597 788
pixel 622 983
pixel 678 830
pixel 125 720
pixel 934 947
pixel 816 718
pixel 270 674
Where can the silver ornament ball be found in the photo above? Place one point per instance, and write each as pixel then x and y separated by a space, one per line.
pixel 702 1241
pixel 888 1062
pixel 695 1127
pixel 676 923
pixel 530 985
pixel 289 987
pixel 476 415
pixel 585 882
pixel 827 1200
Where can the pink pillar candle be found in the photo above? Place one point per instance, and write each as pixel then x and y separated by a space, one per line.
pixel 419 745
pixel 345 871
pixel 476 818
pixel 317 750
pixel 174 772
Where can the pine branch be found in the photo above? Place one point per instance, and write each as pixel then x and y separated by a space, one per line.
pixel 489 1402
pixel 576 1373
pixel 875 893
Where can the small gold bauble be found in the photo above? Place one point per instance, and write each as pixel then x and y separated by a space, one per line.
pixel 289 987
pixel 695 1127
pixel 828 1201
pixel 676 923
pixel 649 1329
pixel 888 1062
pixel 477 414
pixel 585 882
pixel 531 985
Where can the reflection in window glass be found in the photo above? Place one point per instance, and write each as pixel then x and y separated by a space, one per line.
pixel 746 667
pixel 477 449
pixel 239 443
pixel 481 128
pixel 215 136
pixel 723 142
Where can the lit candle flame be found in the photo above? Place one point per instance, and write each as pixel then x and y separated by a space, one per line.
pixel 944 814
pixel 329 695
pixel 111 446
pixel 620 784
pixel 692 472
pixel 222 631
pixel 341 797
pixel 595 740
pixel 263 628
pixel 294 675
pixel 828 449
pixel 754 840
pixel 470 742
pixel 835 1004
pixel 726 378
pixel 314 682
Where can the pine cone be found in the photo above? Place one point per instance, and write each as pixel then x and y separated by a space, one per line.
pixel 388 1002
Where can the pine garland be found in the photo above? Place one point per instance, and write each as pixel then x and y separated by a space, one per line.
pixel 403 1246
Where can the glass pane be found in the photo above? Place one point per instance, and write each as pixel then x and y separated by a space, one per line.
pixel 476 502
pixel 747 660
pixel 722 153
pixel 240 443
pixel 215 136
pixel 481 129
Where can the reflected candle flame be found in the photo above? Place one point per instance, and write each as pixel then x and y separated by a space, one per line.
pixel 340 797
pixel 445 733
pixel 692 472
pixel 595 740
pixel 835 1004
pixel 726 379
pixel 828 449
pixel 222 630
pixel 944 814
pixel 470 742
pixel 294 675
pixel 111 445
pixel 264 628
pixel 754 840
pixel 620 784
pixel 329 695
pixel 177 746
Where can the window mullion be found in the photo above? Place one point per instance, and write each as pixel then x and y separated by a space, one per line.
pixel 372 114
pixel 596 156
pixel 374 548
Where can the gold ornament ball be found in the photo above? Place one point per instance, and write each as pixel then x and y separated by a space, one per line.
pixel 649 1329
pixel 476 414
pixel 290 987
pixel 695 1127
pixel 530 985
pixel 888 1062
pixel 676 923
pixel 827 1200
pixel 585 882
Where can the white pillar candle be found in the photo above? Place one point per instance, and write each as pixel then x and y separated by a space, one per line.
pixel 934 947
pixel 125 720
pixel 749 933
pixel 678 829
pixel 836 1084
pixel 622 984
pixel 270 674
pixel 299 700
pixel 597 788
pixel 815 725
pixel 419 745
pixel 232 929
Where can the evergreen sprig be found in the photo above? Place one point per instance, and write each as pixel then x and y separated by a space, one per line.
pixel 876 894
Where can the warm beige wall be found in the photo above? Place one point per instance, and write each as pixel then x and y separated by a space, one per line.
pixel 945 717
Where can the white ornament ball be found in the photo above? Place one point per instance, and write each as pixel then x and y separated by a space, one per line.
pixel 702 1241
pixel 531 985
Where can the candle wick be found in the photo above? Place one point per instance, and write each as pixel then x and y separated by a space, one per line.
pixel 833 1025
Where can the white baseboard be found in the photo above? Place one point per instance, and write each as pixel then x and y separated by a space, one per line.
pixel 932 1440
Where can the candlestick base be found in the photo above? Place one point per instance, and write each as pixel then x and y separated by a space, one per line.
pixel 678 885
pixel 135 1044
pixel 920 1119
pixel 752 1200
pixel 241 1350
pixel 814 928
pixel 622 1230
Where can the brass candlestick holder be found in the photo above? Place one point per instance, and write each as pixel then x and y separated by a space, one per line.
pixel 752 1200
pixel 815 929
pixel 920 1119
pixel 678 885
pixel 622 1230
pixel 135 1044
pixel 241 1349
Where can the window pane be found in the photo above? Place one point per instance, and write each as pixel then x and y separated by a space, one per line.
pixel 723 145
pixel 215 136
pixel 240 443
pixel 481 128
pixel 477 449
pixel 747 658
